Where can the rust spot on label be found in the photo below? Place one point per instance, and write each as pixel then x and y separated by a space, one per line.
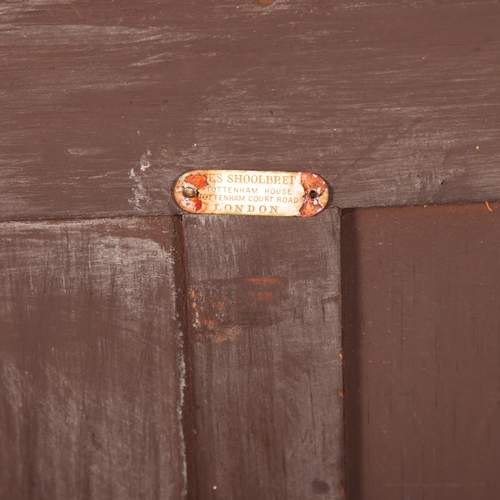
pixel 314 188
pixel 249 192
pixel 191 191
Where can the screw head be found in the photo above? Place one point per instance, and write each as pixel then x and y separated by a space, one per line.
pixel 189 191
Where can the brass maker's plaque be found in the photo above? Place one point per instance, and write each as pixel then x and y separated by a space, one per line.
pixel 250 192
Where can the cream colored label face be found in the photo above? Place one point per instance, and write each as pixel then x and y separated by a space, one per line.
pixel 250 192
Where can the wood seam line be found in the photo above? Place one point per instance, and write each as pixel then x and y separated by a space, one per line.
pixel 343 305
pixel 84 218
pixel 348 282
pixel 185 367
pixel 179 215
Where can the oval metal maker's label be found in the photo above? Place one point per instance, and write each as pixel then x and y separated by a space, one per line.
pixel 250 192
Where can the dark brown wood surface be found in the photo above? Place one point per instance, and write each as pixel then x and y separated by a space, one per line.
pixel 265 339
pixel 90 370
pixel 103 104
pixel 421 299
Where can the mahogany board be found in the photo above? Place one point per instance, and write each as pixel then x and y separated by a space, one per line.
pixel 265 342
pixel 104 104
pixel 90 361
pixel 421 322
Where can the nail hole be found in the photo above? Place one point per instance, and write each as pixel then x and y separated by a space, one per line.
pixel 190 192
pixel 313 194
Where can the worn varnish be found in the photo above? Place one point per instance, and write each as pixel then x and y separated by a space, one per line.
pixel 90 361
pixel 105 104
pixel 421 299
pixel 265 338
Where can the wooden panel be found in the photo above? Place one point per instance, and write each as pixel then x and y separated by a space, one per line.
pixel 104 104
pixel 422 352
pixel 89 348
pixel 264 326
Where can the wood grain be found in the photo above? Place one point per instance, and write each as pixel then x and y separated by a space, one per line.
pixel 422 352
pixel 264 328
pixel 90 380
pixel 104 104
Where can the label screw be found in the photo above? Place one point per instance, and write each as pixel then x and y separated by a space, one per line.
pixel 190 191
